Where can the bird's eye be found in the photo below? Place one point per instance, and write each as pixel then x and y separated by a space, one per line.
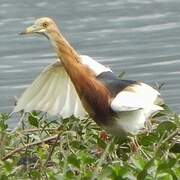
pixel 45 25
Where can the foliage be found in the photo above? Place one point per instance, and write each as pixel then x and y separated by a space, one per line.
pixel 78 149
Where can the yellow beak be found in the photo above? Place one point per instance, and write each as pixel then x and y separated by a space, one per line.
pixel 30 30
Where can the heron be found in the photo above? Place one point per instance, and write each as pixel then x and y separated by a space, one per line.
pixel 78 85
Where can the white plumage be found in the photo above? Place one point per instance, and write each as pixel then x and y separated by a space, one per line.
pixel 134 108
pixel 141 96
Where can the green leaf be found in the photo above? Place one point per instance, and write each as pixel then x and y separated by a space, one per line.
pixel 120 76
pixel 176 172
pixel 86 158
pixel 33 120
pixel 166 126
pixel 3 118
pixel 166 165
pixel 8 166
pixel 101 143
pixel 3 177
pixel 139 162
pixel 144 172
pixel 164 176
pixel 35 174
pixel 175 148
pixel 119 171
pixel 3 126
pixel 148 140
pixel 77 145
pixel 72 159
pixel 69 174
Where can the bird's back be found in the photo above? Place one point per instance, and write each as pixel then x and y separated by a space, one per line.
pixel 132 104
pixel 113 83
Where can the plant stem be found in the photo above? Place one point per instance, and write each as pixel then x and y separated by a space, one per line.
pixel 9 155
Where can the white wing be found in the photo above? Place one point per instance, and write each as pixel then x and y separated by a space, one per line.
pixel 53 92
pixel 142 96
pixel 96 67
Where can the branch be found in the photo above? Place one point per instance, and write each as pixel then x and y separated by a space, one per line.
pixel 52 149
pixel 9 155
pixel 174 133
pixel 27 131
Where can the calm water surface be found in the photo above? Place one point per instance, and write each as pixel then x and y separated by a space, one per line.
pixel 140 37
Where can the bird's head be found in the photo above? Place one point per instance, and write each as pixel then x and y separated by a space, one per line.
pixel 43 26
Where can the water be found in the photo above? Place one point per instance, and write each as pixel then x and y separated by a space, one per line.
pixel 140 37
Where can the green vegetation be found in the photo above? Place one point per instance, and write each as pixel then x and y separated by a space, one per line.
pixel 79 149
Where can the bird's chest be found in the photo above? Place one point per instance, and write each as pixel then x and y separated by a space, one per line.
pixel 127 122
pixel 98 108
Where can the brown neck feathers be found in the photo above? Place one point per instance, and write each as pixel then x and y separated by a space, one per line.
pixel 93 94
pixel 70 59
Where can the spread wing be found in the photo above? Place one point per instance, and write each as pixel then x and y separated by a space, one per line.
pixel 53 92
pixel 137 96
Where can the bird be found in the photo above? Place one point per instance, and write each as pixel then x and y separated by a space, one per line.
pixel 78 85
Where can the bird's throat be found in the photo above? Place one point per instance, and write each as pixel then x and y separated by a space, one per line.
pixel 71 61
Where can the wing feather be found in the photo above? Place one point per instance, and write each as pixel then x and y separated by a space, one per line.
pixel 138 96
pixel 52 92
